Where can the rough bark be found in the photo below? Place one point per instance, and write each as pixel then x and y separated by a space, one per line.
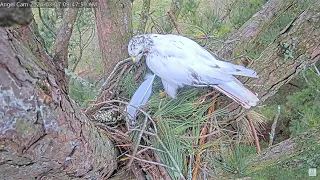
pixel 275 66
pixel 285 150
pixel 293 50
pixel 243 37
pixel 43 133
pixel 113 20
pixel 61 44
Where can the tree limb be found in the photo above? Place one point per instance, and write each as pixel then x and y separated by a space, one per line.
pixel 274 66
pixel 254 26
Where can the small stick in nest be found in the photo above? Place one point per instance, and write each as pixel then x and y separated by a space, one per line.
pixel 136 145
pixel 111 75
pixel 274 125
pixel 204 131
pixel 254 133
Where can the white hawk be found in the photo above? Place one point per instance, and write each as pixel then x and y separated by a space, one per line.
pixel 180 61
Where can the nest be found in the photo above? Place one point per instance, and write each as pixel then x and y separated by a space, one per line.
pixel 136 144
pixel 108 113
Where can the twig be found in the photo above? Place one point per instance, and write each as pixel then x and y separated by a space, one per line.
pixel 254 133
pixel 317 70
pixel 118 79
pixel 85 44
pixel 144 16
pixel 136 145
pixel 158 28
pixel 139 72
pixel 189 175
pixel 151 162
pixel 201 142
pixel 203 133
pixel 274 125
pixel 162 170
pixel 105 93
pixel 45 24
pixel 152 148
pixel 200 137
pixel 174 21
pixel 151 170
pixel 113 73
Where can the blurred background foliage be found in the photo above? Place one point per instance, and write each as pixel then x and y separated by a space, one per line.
pixel 179 121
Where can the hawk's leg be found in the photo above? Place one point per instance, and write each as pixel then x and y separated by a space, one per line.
pixel 162 94
pixel 170 88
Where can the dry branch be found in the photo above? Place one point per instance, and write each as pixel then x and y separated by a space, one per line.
pixel 254 134
pixel 305 142
pixel 202 141
pixel 174 21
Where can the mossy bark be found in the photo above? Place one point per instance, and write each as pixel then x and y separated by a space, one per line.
pixel 285 151
pixel 295 48
pixel 43 133
pixel 242 38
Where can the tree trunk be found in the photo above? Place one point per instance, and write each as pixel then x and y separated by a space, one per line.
pixel 293 50
pixel 242 38
pixel 61 44
pixel 113 19
pixel 303 144
pixel 43 133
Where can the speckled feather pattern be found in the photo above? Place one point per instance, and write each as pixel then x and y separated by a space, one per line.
pixel 180 61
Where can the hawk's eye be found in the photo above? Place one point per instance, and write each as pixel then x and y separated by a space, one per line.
pixel 140 51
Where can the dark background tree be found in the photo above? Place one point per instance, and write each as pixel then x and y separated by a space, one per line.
pixel 114 24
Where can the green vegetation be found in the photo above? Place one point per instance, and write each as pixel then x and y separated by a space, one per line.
pixel 242 10
pixel 81 90
pixel 180 121
pixel 274 28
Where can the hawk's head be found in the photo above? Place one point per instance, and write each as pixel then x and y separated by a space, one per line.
pixel 138 46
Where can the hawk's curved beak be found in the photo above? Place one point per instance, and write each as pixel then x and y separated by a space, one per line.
pixel 137 58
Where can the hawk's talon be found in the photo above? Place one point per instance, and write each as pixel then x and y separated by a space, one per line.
pixel 163 94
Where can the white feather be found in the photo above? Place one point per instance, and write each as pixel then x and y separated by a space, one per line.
pixel 237 92
pixel 140 97
pixel 179 61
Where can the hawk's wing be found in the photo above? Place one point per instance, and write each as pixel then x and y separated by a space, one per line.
pixel 180 61
pixel 170 44
pixel 183 62
pixel 182 69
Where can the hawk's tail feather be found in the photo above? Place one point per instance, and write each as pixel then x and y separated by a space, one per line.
pixel 239 93
pixel 243 71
